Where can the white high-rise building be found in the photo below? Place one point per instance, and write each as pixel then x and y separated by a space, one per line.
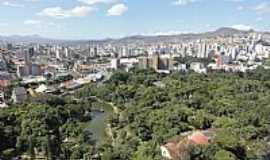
pixel 57 54
pixel 66 52
pixel 115 63
pixel 124 51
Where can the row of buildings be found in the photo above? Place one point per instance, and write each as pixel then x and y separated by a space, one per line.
pixel 73 64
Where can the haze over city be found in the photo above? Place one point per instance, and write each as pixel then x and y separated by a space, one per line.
pixel 98 19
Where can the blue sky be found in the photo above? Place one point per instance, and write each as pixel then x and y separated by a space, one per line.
pixel 96 19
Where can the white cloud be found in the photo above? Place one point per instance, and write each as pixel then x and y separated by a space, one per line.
pixel 259 19
pixel 172 32
pixel 51 24
pixel 240 8
pixel 262 7
pixel 16 3
pixel 242 27
pixel 31 0
pixel 235 0
pixel 183 2
pixel 58 12
pixel 92 2
pixel 117 10
pixel 12 4
pixel 31 22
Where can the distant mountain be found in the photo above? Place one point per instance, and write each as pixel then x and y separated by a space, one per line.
pixel 225 31
pixel 28 39
pixel 228 31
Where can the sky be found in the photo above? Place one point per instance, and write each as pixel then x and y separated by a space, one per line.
pixel 98 19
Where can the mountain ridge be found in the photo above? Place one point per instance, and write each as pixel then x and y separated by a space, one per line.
pixel 224 31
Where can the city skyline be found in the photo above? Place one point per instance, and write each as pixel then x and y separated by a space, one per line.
pixel 98 19
pixel 134 79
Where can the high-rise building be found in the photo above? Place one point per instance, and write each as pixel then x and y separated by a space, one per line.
pixel 57 54
pixel 29 69
pixel 124 51
pixel 115 63
pixel 66 53
pixel 156 62
pixel 202 50
pixel 95 51
pixel 31 51
pixel 27 57
pixel 9 46
pixel 218 57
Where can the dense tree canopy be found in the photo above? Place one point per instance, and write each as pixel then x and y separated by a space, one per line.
pixel 236 104
pixel 148 109
pixel 48 127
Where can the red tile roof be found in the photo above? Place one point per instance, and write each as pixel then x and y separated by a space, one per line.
pixel 199 138
pixel 178 145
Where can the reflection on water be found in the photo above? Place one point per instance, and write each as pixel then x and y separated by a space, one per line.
pixel 98 124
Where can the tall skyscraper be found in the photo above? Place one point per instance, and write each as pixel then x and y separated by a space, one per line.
pixel 95 51
pixel 27 57
pixel 218 57
pixel 9 46
pixel 66 53
pixel 57 54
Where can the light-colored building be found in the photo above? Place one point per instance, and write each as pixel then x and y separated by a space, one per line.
pixel 198 67
pixel 177 148
pixel 19 94
pixel 156 62
pixel 115 63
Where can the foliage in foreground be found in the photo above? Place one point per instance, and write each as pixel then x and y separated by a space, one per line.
pixel 148 113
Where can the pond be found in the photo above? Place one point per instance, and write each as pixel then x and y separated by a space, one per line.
pixel 97 125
